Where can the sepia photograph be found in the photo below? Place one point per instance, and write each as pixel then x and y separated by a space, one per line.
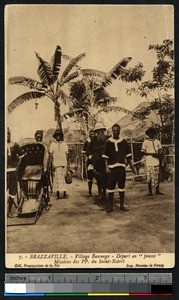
pixel 90 137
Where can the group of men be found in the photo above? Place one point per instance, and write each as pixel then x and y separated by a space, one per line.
pixel 106 162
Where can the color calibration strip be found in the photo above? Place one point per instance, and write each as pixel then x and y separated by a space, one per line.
pixel 156 290
pixel 86 294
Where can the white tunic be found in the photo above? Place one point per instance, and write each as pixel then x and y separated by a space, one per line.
pixel 151 146
pixel 59 151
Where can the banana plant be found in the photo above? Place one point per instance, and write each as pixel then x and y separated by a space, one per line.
pixel 89 94
pixel 50 84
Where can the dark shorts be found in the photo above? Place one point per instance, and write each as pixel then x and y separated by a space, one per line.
pixel 12 183
pixel 89 170
pixel 90 175
pixel 117 176
pixel 99 165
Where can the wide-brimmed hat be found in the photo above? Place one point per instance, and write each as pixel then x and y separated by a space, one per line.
pixel 99 126
pixel 57 132
pixel 39 132
pixel 150 130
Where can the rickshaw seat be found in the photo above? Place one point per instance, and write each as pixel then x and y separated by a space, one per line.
pixel 32 172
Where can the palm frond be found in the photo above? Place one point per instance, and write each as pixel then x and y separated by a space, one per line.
pixel 44 71
pixel 56 63
pixel 105 101
pixel 75 113
pixel 69 78
pixel 67 114
pixel 71 65
pixel 64 97
pixel 65 56
pixel 24 98
pixel 116 71
pixel 114 109
pixel 92 72
pixel 26 81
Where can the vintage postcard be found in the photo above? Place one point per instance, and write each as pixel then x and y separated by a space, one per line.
pixel 89 150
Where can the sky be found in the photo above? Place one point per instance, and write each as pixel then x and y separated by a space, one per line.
pixel 106 33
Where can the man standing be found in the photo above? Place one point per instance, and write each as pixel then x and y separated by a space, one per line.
pixel 39 139
pixel 14 156
pixel 151 149
pixel 116 152
pixel 89 165
pixel 59 151
pixel 94 152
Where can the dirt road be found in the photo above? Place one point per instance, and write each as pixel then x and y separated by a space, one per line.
pixel 78 225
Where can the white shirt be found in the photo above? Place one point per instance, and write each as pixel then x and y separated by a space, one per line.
pixel 151 146
pixel 59 151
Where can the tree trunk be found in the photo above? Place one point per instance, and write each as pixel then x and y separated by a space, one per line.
pixel 59 124
pixel 58 115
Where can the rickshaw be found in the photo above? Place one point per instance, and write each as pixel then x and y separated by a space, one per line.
pixel 34 181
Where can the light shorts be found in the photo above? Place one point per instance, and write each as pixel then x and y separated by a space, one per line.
pixel 153 175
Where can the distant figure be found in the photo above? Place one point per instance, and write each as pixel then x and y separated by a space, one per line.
pixel 151 149
pixel 59 151
pixel 89 165
pixel 39 139
pixel 14 157
pixel 116 152
pixel 94 152
pixel 39 136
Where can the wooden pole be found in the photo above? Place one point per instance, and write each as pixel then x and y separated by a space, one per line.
pixel 132 150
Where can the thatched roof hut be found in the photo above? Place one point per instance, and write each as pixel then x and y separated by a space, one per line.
pixel 135 129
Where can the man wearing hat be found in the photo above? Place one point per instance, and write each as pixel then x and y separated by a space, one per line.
pixel 59 151
pixel 89 165
pixel 39 136
pixel 116 153
pixel 94 152
pixel 151 149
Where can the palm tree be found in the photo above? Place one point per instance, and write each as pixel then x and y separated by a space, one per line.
pixel 89 97
pixel 50 85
